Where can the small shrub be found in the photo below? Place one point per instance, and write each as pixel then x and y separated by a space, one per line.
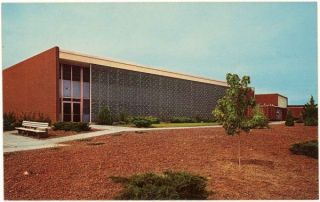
pixel 43 118
pixel 182 119
pixel 289 119
pixel 309 148
pixel 141 122
pixel 124 117
pixel 168 186
pixel 258 120
pixel 152 119
pixel 71 126
pixel 9 121
pixel 104 116
pixel 32 116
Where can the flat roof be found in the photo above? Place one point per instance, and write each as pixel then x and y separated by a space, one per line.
pixel 79 57
pixel 271 94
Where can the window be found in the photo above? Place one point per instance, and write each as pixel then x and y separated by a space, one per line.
pixel 72 88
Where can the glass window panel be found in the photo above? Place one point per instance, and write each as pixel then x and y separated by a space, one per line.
pixel 75 73
pixel 76 118
pixel 66 88
pixel 66 111
pixel 76 112
pixel 76 108
pixel 86 75
pixel 86 90
pixel 86 106
pixel 76 89
pixel 86 118
pixel 67 117
pixel 66 72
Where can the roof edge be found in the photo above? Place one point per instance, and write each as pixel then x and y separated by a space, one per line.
pixel 71 55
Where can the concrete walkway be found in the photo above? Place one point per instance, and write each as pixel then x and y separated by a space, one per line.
pixel 13 142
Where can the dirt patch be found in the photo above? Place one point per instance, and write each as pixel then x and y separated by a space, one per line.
pixel 81 171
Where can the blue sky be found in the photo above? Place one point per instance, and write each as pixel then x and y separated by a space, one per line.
pixel 274 43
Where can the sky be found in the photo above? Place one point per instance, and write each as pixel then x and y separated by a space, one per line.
pixel 274 43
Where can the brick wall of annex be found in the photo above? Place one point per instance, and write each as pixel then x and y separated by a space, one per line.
pixel 31 86
pixel 141 94
pixel 267 99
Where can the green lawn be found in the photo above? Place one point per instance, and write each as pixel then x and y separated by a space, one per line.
pixel 165 125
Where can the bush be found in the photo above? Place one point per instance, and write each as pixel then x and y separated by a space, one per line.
pixel 168 186
pixel 310 121
pixel 141 122
pixel 124 117
pixel 309 148
pixel 71 126
pixel 258 120
pixel 9 121
pixel 289 119
pixel 182 119
pixel 152 119
pixel 32 116
pixel 104 116
pixel 310 114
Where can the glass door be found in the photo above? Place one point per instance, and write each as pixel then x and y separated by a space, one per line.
pixel 66 111
pixel 76 112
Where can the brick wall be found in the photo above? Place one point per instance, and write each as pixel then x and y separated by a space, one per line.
pixel 140 94
pixel 267 99
pixel 31 86
pixel 296 111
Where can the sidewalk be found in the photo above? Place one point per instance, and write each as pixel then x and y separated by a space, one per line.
pixel 13 142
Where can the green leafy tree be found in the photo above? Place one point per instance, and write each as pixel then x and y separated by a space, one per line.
pixel 259 119
pixel 310 114
pixel 232 109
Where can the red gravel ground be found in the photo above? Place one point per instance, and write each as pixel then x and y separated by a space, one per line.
pixel 62 133
pixel 81 171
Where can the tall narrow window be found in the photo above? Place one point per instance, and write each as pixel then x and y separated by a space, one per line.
pixel 86 95
pixel 75 93
pixel 66 81
pixel 76 88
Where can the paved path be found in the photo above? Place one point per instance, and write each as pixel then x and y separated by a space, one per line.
pixel 13 142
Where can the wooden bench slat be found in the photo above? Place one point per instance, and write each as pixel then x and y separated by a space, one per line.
pixel 36 127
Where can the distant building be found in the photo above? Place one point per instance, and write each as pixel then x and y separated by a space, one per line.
pixel 273 105
pixel 296 110
pixel 68 86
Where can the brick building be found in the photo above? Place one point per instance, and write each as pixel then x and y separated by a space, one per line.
pixel 273 105
pixel 68 86
pixel 296 111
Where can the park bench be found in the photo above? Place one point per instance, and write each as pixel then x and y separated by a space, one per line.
pixel 34 128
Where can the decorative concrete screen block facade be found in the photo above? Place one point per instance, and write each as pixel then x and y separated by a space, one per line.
pixel 68 86
pixel 142 94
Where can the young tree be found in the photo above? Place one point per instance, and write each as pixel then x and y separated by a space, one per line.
pixel 232 109
pixel 310 114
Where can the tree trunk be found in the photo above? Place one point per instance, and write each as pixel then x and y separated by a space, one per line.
pixel 239 151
